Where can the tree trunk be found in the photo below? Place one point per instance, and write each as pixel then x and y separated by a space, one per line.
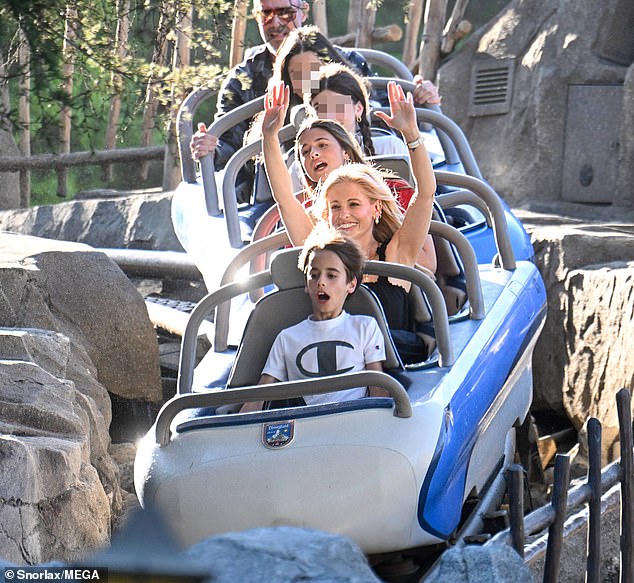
pixel 238 30
pixel 24 117
pixel 429 58
pixel 354 16
pixel 121 42
pixel 410 46
pixel 67 88
pixel 151 103
pixel 368 18
pixel 171 167
pixel 320 18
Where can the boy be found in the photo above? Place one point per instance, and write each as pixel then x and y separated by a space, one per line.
pixel 330 340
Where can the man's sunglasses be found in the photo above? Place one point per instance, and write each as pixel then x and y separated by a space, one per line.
pixel 284 14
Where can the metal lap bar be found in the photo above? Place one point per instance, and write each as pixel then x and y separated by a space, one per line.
pixel 283 390
pixel 493 202
pixel 470 264
pixel 236 162
pixel 434 296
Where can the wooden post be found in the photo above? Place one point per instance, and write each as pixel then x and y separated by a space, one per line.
pixel 410 46
pixel 429 57
pixel 67 88
pixel 320 19
pixel 238 30
pixel 121 43
pixel 24 115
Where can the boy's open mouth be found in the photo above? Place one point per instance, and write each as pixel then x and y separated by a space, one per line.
pixel 323 296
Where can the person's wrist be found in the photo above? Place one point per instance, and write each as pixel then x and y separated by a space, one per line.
pixel 409 137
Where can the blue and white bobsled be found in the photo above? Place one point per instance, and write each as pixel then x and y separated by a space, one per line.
pixel 390 473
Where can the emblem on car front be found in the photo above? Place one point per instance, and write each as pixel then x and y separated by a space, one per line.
pixel 276 435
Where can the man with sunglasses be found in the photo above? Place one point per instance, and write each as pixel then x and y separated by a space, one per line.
pixel 248 80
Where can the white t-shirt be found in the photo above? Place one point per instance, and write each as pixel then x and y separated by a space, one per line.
pixel 316 348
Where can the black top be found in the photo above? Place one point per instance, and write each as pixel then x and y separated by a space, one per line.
pixel 393 298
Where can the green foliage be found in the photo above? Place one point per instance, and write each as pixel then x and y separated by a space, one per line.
pixel 100 73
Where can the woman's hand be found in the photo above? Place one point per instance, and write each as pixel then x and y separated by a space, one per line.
pixel 202 143
pixel 403 113
pixel 276 103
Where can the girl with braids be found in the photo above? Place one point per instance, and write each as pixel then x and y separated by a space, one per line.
pixel 355 200
pixel 341 94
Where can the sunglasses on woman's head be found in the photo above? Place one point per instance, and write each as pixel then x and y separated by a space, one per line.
pixel 286 14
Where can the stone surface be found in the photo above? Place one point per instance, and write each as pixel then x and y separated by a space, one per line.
pixel 282 554
pixel 556 46
pixel 582 357
pixel 137 222
pixel 477 564
pixel 70 288
pixel 57 485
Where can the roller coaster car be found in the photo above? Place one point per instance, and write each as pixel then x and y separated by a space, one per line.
pixel 203 220
pixel 391 473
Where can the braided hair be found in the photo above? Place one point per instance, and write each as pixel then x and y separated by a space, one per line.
pixel 341 79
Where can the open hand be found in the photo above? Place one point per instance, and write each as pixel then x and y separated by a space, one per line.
pixel 403 113
pixel 276 103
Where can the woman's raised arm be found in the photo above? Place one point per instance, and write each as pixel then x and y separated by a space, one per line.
pixel 294 216
pixel 410 238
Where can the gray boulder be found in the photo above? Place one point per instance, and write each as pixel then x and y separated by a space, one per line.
pixel 481 564
pixel 282 554
pixel 72 289
pixel 52 501
pixel 134 221
pixel 582 357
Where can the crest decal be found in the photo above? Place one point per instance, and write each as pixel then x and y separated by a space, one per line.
pixel 276 435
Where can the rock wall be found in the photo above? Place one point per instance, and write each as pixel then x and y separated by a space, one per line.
pixel 73 329
pixel 582 357
pixel 562 69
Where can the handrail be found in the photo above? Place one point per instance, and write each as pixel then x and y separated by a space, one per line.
pixel 375 57
pixel 234 165
pixel 493 202
pixel 245 255
pixel 187 362
pixel 282 390
pixel 185 130
pixel 477 309
pixel 457 197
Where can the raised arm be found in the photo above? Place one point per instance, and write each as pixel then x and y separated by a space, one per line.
pixel 410 238
pixel 296 220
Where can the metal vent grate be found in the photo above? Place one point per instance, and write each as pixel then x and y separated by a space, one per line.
pixel 491 86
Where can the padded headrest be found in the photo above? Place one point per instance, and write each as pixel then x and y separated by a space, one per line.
pixel 284 270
